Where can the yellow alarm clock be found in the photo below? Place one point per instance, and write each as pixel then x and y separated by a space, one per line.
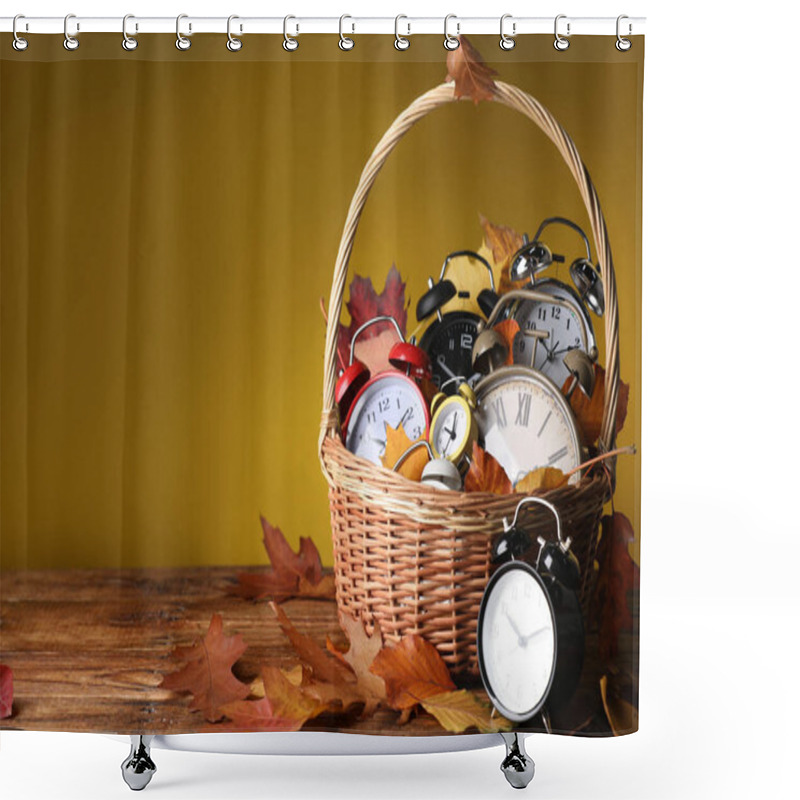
pixel 453 426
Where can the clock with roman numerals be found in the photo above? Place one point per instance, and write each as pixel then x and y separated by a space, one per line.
pixel 525 422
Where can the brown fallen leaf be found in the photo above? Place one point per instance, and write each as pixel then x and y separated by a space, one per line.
pixel 365 304
pixel 485 474
pixel 503 242
pixel 292 574
pixel 543 478
pixel 460 710
pixel 589 410
pixel 617 575
pixel 412 671
pixel 508 329
pixel 397 442
pixel 6 691
pixel 472 77
pixel 206 673
pixel 623 717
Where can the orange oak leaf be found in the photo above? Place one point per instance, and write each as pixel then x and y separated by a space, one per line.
pixel 508 329
pixel 365 303
pixel 292 574
pixel 544 478
pixel 485 474
pixel 397 442
pixel 589 410
pixel 206 673
pixel 618 575
pixel 6 691
pixel 460 710
pixel 282 707
pixel 472 77
pixel 412 670
pixel 503 242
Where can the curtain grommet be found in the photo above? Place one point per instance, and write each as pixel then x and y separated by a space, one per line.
pixel 70 42
pixel 507 42
pixel 560 42
pixel 18 43
pixel 451 42
pixel 345 42
pixel 401 42
pixel 128 42
pixel 622 44
pixel 182 42
pixel 290 43
pixel 234 43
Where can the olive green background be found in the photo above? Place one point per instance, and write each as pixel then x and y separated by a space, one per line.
pixel 169 224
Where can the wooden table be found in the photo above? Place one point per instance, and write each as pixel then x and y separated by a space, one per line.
pixel 89 647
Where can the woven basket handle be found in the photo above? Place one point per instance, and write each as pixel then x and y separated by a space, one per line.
pixel 514 98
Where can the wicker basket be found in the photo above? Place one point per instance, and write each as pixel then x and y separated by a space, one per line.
pixel 416 559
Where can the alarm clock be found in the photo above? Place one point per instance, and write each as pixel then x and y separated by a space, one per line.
pixel 453 426
pixel 566 315
pixel 438 473
pixel 449 338
pixel 392 397
pixel 530 629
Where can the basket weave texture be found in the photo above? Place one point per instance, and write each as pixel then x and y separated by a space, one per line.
pixel 415 559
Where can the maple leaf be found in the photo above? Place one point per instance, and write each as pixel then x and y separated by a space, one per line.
pixel 472 76
pixel 460 710
pixel 365 304
pixel 6 691
pixel 509 329
pixel 618 574
pixel 544 478
pixel 503 242
pixel 485 474
pixel 589 410
pixel 623 716
pixel 292 574
pixel 206 673
pixel 283 706
pixel 397 442
pixel 412 670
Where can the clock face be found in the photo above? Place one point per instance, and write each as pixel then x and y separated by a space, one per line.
pixel 568 327
pixel 526 423
pixel 451 430
pixel 449 344
pixel 517 641
pixel 392 399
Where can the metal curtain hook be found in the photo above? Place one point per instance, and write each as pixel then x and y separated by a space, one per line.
pixel 234 44
pixel 400 42
pixel 18 43
pixel 128 42
pixel 345 42
pixel 70 42
pixel 182 43
pixel 289 42
pixel 623 44
pixel 451 42
pixel 560 42
pixel 507 42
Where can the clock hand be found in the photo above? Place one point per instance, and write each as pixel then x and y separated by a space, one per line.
pixel 440 362
pixel 525 639
pixel 403 418
pixel 516 630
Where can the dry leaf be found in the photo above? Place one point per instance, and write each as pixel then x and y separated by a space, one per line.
pixel 283 706
pixel 6 691
pixel 543 478
pixel 373 352
pixel 503 242
pixel 623 717
pixel 473 78
pixel 589 410
pixel 412 671
pixel 365 304
pixel 458 711
pixel 485 474
pixel 292 574
pixel 397 442
pixel 618 574
pixel 508 329
pixel 207 671
pixel 362 652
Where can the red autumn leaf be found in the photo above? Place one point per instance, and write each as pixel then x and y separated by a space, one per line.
pixel 206 673
pixel 618 575
pixel 473 78
pixel 412 670
pixel 509 329
pixel 485 474
pixel 589 410
pixel 292 574
pixel 365 304
pixel 6 691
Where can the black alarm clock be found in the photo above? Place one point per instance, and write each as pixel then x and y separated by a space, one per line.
pixel 530 627
pixel 449 338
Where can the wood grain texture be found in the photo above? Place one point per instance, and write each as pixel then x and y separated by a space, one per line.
pixel 89 647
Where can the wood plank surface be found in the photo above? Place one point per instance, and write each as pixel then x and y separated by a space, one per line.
pixel 88 649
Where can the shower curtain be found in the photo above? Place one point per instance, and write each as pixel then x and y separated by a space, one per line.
pixel 173 558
